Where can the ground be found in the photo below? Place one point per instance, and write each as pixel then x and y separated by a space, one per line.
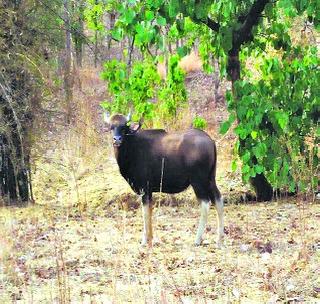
pixel 80 242
pixel 59 255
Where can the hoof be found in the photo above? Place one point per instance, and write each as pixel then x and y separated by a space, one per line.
pixel 145 243
pixel 220 243
pixel 197 243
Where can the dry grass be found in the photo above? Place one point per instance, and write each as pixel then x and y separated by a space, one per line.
pixel 189 63
pixel 52 255
pixel 162 70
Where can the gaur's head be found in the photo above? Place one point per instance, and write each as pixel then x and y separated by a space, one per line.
pixel 121 126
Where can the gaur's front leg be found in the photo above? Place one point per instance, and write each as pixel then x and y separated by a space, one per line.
pixel 147 220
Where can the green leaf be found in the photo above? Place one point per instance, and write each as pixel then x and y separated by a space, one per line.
pixel 117 34
pixel 149 15
pixel 246 157
pixel 128 16
pixel 161 21
pixel 246 172
pixel 282 119
pixel 182 51
pixel 226 42
pixel 201 10
pixel 173 8
pixel 259 169
pixel 224 127
pixel 234 165
pixel 269 9
pixel 105 104
pixel 242 131
pixel 260 150
pixel 254 134
pixel 199 123
pixel 246 168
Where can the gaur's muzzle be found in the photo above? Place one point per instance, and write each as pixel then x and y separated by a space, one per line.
pixel 117 140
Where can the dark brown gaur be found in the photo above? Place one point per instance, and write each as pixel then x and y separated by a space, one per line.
pixel 154 160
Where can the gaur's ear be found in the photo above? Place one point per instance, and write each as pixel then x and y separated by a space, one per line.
pixel 135 128
pixel 141 121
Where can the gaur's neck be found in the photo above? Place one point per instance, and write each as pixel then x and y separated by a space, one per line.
pixel 120 154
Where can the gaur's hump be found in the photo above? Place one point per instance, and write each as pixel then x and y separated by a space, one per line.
pixel 153 131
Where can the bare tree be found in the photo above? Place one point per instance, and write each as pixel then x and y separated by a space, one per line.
pixel 68 81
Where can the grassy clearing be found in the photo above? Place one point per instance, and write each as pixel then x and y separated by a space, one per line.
pixel 57 255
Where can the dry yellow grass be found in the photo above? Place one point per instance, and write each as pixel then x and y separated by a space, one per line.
pixel 162 70
pixel 55 256
pixel 189 63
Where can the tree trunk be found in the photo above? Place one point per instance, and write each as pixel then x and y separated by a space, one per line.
pixel 67 68
pixel 96 49
pixel 112 20
pixel 14 160
pixel 262 188
pixel 96 39
pixel 131 48
pixel 78 35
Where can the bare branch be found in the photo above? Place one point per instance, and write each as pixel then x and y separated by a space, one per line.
pixel 215 26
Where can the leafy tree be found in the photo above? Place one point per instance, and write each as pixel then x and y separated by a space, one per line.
pixel 24 43
pixel 77 25
pixel 278 116
pixel 140 87
pixel 231 31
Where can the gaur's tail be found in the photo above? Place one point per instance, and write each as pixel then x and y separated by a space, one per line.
pixel 214 193
pixel 213 170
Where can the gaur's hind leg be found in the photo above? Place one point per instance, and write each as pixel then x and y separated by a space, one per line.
pixel 147 220
pixel 201 191
pixel 205 207
pixel 217 198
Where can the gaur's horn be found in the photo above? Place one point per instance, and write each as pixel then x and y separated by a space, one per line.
pixel 129 116
pixel 106 117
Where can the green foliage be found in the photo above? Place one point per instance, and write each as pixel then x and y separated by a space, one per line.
pixel 275 109
pixel 276 114
pixel 199 123
pixel 93 14
pixel 173 93
pixel 143 90
pixel 131 90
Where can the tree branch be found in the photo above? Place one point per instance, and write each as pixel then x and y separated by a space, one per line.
pixel 215 26
pixel 244 34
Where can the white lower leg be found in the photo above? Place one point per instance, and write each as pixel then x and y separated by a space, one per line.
pixel 220 224
pixel 147 224
pixel 205 206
